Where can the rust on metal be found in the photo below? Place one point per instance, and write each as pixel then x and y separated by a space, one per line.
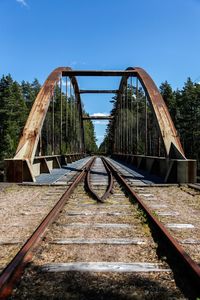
pixel 165 124
pixel 29 140
pixel 13 271
pixel 109 187
pixel 28 143
pixel 30 137
pixel 193 269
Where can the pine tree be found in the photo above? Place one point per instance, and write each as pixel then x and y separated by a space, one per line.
pixel 12 115
pixel 188 107
pixel 169 97
pixel 30 91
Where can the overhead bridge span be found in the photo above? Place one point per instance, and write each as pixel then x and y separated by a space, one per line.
pixel 142 132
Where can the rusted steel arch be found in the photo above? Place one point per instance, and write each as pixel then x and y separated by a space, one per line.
pixel 164 122
pixel 30 137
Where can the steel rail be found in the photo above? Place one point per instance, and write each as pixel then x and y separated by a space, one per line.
pixel 191 267
pixel 109 187
pixel 14 270
pixel 111 181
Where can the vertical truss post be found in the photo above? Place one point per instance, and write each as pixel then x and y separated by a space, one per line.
pixel 117 131
pixel 131 114
pixel 82 132
pixel 53 124
pixel 123 118
pixel 158 144
pixel 120 123
pixel 80 140
pixel 66 116
pixel 115 135
pixel 71 115
pixel 146 126
pixel 137 117
pixel 74 122
pixel 61 115
pixel 124 113
pixel 127 121
pixel 40 141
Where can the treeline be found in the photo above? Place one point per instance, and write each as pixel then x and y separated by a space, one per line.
pixel 16 100
pixel 184 108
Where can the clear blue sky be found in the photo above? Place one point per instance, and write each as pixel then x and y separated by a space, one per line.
pixel 161 36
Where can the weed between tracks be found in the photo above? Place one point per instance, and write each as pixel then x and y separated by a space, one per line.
pixel 165 253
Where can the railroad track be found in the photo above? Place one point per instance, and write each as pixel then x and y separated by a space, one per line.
pixel 103 242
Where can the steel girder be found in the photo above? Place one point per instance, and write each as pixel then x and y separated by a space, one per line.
pixel 168 132
pixel 30 136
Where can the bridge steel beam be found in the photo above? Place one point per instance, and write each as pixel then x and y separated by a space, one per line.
pixel 97 117
pixel 99 73
pixel 24 166
pixel 174 167
pixel 99 91
pixel 163 119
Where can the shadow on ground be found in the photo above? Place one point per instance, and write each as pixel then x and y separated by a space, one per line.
pixel 37 284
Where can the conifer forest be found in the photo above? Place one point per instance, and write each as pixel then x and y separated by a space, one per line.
pixel 16 100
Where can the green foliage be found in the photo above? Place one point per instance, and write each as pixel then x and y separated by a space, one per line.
pixel 184 107
pixel 30 91
pixel 16 101
pixel 13 112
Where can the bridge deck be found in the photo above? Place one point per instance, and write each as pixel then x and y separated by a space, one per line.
pixel 61 176
pixel 136 176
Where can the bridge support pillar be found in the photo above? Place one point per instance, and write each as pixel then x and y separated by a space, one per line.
pixel 170 170
pixel 181 171
pixel 18 170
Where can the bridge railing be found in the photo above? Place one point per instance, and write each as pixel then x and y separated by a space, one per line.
pixel 169 170
pixel 20 170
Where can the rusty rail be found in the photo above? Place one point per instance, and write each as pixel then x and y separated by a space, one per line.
pixel 109 187
pixel 14 270
pixel 190 266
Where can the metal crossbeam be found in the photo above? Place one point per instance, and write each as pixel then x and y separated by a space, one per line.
pixel 97 117
pixel 99 91
pixel 98 73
